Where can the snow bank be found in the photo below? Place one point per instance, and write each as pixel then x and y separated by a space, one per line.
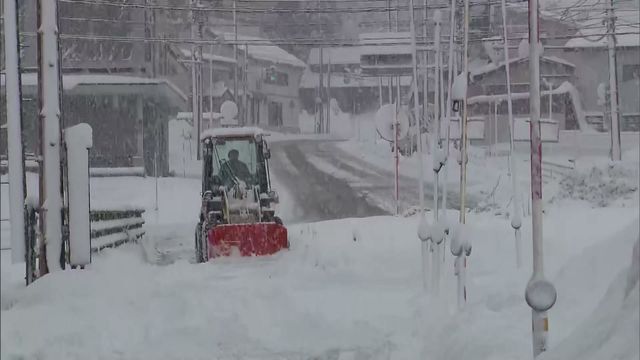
pixel 347 286
pixel 613 330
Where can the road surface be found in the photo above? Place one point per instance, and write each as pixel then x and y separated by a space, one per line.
pixel 329 183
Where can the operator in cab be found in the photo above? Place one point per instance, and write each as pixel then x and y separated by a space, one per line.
pixel 239 168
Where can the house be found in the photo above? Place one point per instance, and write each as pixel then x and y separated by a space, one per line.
pixel 268 92
pixel 590 54
pixel 111 85
pixel 354 91
pixel 559 102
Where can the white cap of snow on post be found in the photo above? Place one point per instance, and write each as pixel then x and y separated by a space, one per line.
pixel 78 140
pixel 459 88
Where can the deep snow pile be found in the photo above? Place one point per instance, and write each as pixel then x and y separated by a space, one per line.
pixel 613 330
pixel 350 286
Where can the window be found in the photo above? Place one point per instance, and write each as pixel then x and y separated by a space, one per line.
pixel 275 77
pixel 630 72
pixel 243 168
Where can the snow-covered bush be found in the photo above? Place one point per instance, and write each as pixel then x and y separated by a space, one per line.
pixel 599 186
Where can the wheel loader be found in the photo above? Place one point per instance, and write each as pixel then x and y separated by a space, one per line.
pixel 237 215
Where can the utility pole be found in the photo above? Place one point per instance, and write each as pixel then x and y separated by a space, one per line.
pixel 416 114
pixel 516 219
pixel 235 51
pixel 425 58
pixel 390 79
pixel 616 152
pixel 328 126
pixel 196 72
pixel 17 188
pixel 49 85
pixel 211 88
pixel 321 92
pixel 540 294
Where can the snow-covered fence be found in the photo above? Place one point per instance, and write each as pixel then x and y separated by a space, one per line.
pixel 111 228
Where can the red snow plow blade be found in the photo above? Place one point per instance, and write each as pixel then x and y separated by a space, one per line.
pixel 247 239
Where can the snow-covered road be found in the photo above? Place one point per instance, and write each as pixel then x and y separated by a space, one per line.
pixel 329 183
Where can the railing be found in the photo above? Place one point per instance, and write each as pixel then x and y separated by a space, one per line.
pixel 111 228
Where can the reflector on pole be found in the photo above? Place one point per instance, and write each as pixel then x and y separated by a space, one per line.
pixel 14 131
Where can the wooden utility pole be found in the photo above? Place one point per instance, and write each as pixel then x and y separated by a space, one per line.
pixel 321 93
pixel 616 152
pixel 245 74
pixel 235 51
pixel 328 126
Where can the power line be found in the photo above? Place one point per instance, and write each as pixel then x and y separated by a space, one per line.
pixel 278 42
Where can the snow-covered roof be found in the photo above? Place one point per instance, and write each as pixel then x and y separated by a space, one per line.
pixel 209 57
pixel 491 67
pixel 265 50
pixel 335 55
pixel 232 131
pixel 70 81
pixel 121 84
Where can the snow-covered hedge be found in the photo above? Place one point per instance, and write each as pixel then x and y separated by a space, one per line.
pixel 600 185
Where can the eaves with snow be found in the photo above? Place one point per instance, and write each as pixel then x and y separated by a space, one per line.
pixel 482 70
pixel 107 84
pixel 260 48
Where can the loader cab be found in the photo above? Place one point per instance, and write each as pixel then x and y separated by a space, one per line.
pixel 230 156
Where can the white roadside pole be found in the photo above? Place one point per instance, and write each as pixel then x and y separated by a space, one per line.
pixel 449 106
pixel 78 140
pixel 422 227
pixel 460 246
pixel 540 294
pixel 437 231
pixel 616 152
pixel 516 218
pixel 51 148
pixel 14 131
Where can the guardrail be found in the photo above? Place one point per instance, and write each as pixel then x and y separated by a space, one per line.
pixel 111 228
